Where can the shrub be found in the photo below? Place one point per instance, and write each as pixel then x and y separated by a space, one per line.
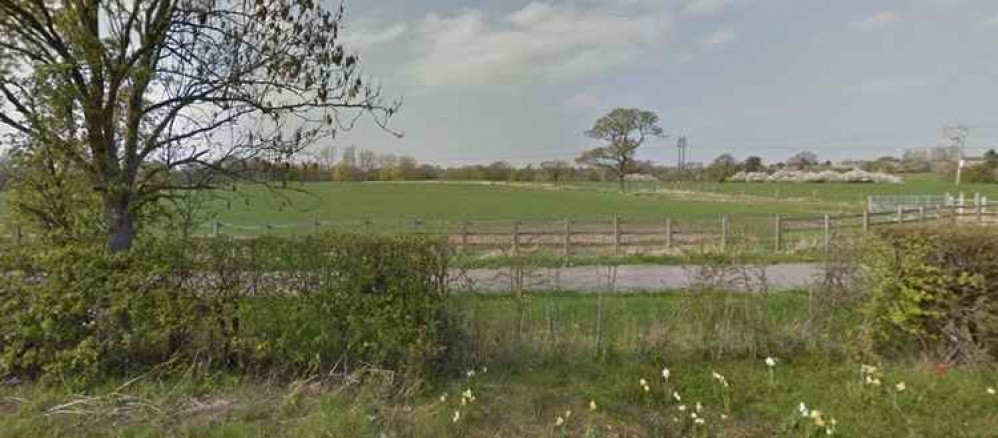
pixel 934 291
pixel 827 176
pixel 78 311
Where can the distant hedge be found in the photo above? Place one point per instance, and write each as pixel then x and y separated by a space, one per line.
pixel 326 301
pixel 934 291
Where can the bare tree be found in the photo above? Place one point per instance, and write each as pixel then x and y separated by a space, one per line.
pixel 130 91
pixel 625 129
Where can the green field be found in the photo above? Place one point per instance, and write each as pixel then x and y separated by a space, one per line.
pixel 394 205
pixel 851 194
pixel 391 204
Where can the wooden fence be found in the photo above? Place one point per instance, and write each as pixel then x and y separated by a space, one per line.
pixel 619 235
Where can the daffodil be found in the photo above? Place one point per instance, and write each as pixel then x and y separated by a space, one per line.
pixel 558 422
pixel 682 408
pixel 665 373
pixel 804 411
pixel 443 398
pixel 991 391
pixel 771 361
pixel 900 386
pixel 456 417
pixel 592 405
pixel 676 396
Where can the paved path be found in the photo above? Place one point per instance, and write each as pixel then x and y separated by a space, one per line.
pixel 633 278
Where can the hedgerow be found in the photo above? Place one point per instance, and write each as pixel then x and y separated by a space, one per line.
pixel 934 292
pixel 79 312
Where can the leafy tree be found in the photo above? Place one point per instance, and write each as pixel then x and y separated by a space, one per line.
pixel 723 167
pixel 625 129
pixel 753 164
pixel 803 160
pixel 129 92
pixel 556 170
pixel 991 159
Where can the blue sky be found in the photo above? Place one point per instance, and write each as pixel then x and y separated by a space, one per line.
pixel 520 80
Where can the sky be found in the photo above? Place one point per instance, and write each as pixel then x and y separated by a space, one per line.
pixel 520 81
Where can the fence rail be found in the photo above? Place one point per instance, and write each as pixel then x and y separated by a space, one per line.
pixel 619 236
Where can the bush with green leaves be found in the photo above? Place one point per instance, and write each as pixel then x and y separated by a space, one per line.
pixel 79 312
pixel 934 292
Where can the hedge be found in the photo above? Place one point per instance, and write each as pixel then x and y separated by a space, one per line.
pixel 326 301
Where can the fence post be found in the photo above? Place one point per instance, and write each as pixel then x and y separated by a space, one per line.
pixel 866 221
pixel 900 214
pixel 464 236
pixel 216 228
pixel 828 232
pixel 779 232
pixel 566 242
pixel 668 233
pixel 516 237
pixel 921 213
pixel 869 203
pixel 977 207
pixel 724 232
pixel 616 235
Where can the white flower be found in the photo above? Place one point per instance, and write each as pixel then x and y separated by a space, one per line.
pixel 485 370
pixel 443 398
pixel 568 414
pixel 724 417
pixel 665 373
pixel 770 362
pixel 699 407
pixel 470 373
pixel 682 407
pixel 457 416
pixel 676 396
pixel 467 397
pixel 592 405
pixel 558 422
pixel 991 391
pixel 643 382
pixel 699 421
pixel 804 412
pixel 900 386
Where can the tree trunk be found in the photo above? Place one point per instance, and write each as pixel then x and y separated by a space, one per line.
pixel 119 222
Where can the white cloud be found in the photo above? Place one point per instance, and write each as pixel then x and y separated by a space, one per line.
pixel 705 7
pixel 582 101
pixel 991 23
pixel 893 85
pixel 719 38
pixel 876 21
pixel 545 41
pixel 366 36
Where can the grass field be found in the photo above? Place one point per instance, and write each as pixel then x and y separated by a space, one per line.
pixel 393 205
pixel 470 201
pixel 849 194
pixel 534 361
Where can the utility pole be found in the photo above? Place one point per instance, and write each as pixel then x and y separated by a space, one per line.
pixel 957 135
pixel 681 144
